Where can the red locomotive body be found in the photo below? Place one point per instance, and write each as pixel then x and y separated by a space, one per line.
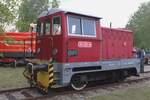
pixel 116 44
pixel 106 43
pixel 77 50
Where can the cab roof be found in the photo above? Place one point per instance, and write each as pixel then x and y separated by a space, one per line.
pixel 55 10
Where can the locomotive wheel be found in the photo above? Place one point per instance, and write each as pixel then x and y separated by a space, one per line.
pixel 79 82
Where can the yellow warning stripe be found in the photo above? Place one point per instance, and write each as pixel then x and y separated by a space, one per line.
pixel 50 69
pixel 50 81
pixel 51 73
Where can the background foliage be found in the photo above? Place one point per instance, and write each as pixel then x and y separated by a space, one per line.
pixel 29 10
pixel 7 13
pixel 140 24
pixel 22 12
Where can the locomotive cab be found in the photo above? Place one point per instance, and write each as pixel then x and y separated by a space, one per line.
pixel 70 51
pixel 64 36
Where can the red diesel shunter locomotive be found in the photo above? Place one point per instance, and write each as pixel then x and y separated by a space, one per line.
pixel 73 49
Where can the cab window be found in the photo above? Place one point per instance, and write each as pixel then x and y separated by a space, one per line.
pixel 56 26
pixel 74 25
pixel 39 29
pixel 42 30
pixel 81 26
pixel 47 28
pixel 88 27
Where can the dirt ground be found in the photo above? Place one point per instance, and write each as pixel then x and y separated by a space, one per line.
pixel 12 78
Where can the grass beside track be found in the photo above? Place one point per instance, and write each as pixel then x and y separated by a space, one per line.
pixel 142 93
pixel 11 78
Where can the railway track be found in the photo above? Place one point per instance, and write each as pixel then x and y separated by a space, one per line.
pixel 28 93
pixel 16 94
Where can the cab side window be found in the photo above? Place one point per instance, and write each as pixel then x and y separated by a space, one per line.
pixel 74 25
pixel 47 28
pixel 88 27
pixel 81 26
pixel 42 29
pixel 56 26
pixel 39 29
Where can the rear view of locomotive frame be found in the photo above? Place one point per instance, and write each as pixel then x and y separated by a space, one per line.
pixel 73 49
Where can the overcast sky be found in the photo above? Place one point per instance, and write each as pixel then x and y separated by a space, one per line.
pixel 116 11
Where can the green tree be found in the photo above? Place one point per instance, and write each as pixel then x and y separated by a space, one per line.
pixel 139 23
pixel 55 4
pixel 29 10
pixel 6 13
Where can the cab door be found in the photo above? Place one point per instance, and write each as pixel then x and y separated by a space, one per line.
pixel 44 42
pixel 57 37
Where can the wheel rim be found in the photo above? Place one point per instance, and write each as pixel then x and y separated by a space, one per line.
pixel 78 84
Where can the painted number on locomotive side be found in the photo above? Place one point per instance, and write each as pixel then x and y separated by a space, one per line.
pixel 84 44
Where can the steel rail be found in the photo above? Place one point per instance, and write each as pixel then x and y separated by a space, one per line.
pixel 14 90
